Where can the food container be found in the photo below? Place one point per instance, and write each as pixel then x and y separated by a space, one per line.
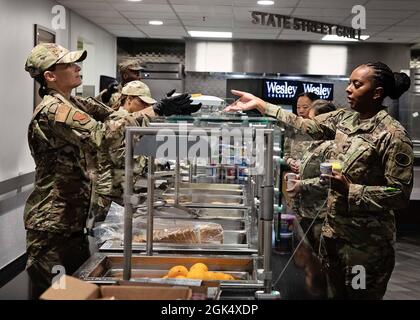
pixel 100 268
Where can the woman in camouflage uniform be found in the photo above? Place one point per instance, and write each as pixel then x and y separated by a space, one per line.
pixel 65 135
pixel 135 96
pixel 308 194
pixel 296 144
pixel 376 178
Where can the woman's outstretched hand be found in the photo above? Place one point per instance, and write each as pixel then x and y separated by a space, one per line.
pixel 246 101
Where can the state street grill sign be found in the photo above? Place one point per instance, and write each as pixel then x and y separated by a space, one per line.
pixel 286 91
pixel 288 22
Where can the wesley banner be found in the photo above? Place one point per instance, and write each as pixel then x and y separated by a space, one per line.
pixel 286 91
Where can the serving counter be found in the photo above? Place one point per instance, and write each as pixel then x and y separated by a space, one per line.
pixel 218 212
pixel 301 277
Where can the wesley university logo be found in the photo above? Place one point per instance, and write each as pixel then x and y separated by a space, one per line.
pixel 287 91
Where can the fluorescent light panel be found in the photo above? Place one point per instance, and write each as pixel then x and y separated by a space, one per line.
pixel 265 2
pixel 333 37
pixel 156 22
pixel 210 34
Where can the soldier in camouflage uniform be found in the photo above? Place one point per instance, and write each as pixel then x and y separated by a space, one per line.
pixel 64 133
pixel 129 71
pixel 135 96
pixel 377 178
pixel 308 194
pixel 295 143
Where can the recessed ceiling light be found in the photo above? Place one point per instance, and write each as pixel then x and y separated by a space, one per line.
pixel 333 37
pixel 134 0
pixel 210 34
pixel 156 22
pixel 265 2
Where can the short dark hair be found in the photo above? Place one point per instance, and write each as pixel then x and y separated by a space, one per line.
pixel 312 96
pixel 394 83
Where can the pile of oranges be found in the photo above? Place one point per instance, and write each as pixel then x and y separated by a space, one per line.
pixel 197 271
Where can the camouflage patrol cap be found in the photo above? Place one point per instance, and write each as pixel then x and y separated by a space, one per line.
pixel 46 55
pixel 138 89
pixel 130 64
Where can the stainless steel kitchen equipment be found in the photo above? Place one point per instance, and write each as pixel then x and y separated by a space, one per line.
pixel 247 234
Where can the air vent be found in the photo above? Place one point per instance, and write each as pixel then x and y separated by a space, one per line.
pixel 162 70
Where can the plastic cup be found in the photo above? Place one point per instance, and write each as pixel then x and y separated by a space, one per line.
pixel 289 177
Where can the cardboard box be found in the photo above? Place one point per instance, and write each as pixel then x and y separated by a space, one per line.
pixel 75 289
pixel 201 290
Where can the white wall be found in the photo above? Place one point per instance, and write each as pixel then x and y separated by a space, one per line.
pixel 104 56
pixel 17 19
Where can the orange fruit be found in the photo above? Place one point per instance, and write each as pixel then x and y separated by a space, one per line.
pixel 228 277
pixel 218 276
pixel 208 275
pixel 180 277
pixel 177 271
pixel 196 274
pixel 199 266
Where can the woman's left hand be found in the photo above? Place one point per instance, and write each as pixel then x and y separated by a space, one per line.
pixel 339 182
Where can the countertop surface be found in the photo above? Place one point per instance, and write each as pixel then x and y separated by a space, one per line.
pixel 297 276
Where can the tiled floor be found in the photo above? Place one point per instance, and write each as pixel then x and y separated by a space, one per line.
pixel 405 280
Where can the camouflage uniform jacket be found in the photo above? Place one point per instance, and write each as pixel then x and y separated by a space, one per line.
pixel 311 202
pixel 62 137
pixel 377 157
pixel 110 182
pixel 296 146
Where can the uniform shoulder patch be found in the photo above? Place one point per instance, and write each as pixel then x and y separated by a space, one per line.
pixel 62 112
pixel 81 117
pixel 402 159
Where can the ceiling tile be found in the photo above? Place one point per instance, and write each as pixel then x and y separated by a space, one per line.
pixel 385 18
pixel 159 31
pixel 201 2
pixel 203 10
pixel 387 14
pixel 145 22
pixel 129 34
pixel 330 4
pixel 320 12
pixel 139 6
pixel 98 13
pixel 149 15
pixel 86 5
pixel 101 20
pixel 277 4
pixel 410 22
pixel 393 5
pixel 208 22
pixel 119 27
